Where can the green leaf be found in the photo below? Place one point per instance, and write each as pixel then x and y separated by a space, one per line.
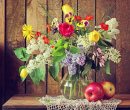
pixel 102 47
pixel 45 11
pixel 75 50
pixel 61 66
pixel 66 45
pixel 107 67
pixel 34 77
pixel 40 73
pixel 88 29
pixel 37 98
pixel 21 54
pixel 108 43
pixel 89 65
pixel 76 32
pixel 60 43
pixel 102 43
pixel 20 68
pixel 51 41
pixel 59 58
pixel 54 70
pixel 59 51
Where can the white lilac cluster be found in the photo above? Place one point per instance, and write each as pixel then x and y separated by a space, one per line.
pixel 37 44
pixel 72 60
pixel 85 42
pixel 113 54
pixel 42 58
pixel 112 31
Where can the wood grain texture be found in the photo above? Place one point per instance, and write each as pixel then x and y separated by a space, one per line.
pixel 15 18
pixel 27 101
pixel 87 7
pixel 2 49
pixel 55 10
pixel 37 18
pixel 123 45
pixel 101 7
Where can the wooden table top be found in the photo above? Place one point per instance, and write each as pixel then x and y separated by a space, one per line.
pixel 28 101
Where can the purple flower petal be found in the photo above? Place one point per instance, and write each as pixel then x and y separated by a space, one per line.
pixel 70 13
pixel 67 15
pixel 86 23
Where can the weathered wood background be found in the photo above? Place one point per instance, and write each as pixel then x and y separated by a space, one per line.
pixel 14 13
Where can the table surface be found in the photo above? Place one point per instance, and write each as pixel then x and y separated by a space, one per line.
pixel 28 101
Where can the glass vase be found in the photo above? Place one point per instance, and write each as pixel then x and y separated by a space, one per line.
pixel 73 88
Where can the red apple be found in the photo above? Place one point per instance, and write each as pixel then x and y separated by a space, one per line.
pixel 94 92
pixel 109 89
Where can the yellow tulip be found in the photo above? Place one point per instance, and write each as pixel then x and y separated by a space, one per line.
pixel 23 73
pixel 67 9
pixel 94 36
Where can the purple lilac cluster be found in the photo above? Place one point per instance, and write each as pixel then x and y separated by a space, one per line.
pixel 72 60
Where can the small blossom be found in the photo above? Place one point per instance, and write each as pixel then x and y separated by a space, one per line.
pixel 104 26
pixel 78 18
pixel 49 29
pixel 46 40
pixel 88 17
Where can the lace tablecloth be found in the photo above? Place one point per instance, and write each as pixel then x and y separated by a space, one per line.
pixel 61 103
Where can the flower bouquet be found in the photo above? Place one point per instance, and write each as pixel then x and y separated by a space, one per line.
pixel 73 45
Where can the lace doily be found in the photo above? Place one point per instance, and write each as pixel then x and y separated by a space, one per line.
pixel 61 103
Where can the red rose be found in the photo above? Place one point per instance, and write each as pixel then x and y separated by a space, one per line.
pixel 66 29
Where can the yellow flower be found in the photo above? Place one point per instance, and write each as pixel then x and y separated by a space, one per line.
pixel 68 13
pixel 83 23
pixel 23 73
pixel 94 36
pixel 69 19
pixel 67 9
pixel 27 32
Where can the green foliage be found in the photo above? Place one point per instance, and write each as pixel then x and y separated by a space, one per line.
pixel 74 50
pixel 88 67
pixel 76 32
pixel 40 73
pixel 34 77
pixel 20 68
pixel 66 45
pixel 45 11
pixel 60 43
pixel 21 54
pixel 104 43
pixel 59 58
pixel 54 70
pixel 59 51
pixel 37 75
pixel 107 67
pixel 105 13
pixel 51 41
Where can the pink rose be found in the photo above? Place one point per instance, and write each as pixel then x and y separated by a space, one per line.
pixel 66 29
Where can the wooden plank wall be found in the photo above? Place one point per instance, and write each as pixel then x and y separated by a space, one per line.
pixel 30 12
pixel 2 49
